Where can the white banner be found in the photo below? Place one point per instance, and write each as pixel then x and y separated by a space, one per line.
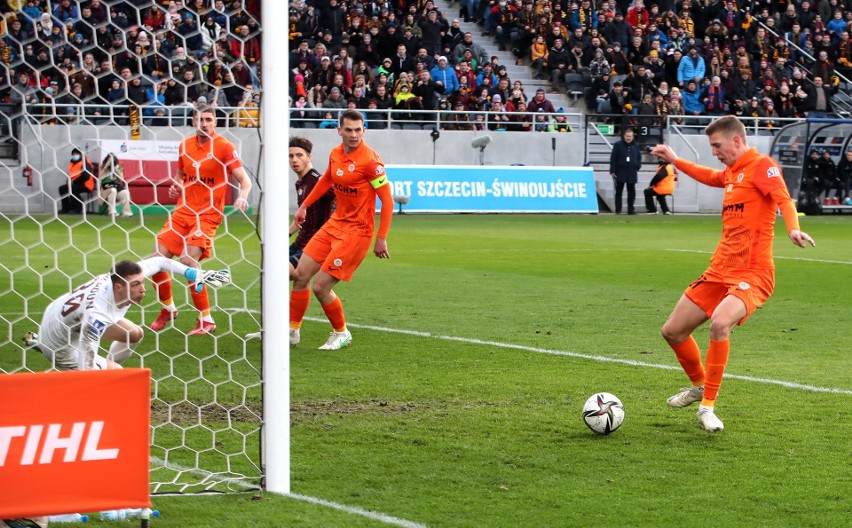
pixel 143 150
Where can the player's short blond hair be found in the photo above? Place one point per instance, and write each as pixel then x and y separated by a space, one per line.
pixel 729 126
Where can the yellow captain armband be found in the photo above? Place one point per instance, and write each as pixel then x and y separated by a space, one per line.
pixel 381 181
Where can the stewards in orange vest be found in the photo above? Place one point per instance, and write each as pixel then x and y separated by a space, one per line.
pixel 81 181
pixel 662 185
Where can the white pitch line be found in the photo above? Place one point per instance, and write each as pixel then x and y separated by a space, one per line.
pixel 377 516
pixel 823 261
pixel 631 362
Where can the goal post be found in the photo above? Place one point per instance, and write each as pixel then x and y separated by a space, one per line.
pixel 276 241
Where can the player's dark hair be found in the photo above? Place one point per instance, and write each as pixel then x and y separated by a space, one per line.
pixel 124 269
pixel 351 115
pixel 302 143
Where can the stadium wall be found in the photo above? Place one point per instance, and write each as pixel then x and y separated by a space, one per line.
pixel 47 149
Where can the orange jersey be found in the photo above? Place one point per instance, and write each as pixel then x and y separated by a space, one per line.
pixel 355 178
pixel 748 211
pixel 206 170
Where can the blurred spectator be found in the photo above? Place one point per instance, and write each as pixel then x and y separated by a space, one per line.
pixel 81 180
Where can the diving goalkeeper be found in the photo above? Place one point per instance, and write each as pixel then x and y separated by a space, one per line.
pixel 74 325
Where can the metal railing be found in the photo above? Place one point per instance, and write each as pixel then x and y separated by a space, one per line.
pixel 149 115
pixel 442 119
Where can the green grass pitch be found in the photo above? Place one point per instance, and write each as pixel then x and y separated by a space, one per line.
pixel 459 402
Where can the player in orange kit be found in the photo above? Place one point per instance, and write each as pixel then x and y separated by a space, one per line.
pixel 741 276
pixel 357 175
pixel 206 160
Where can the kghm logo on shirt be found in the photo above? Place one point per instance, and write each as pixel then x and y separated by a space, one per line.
pixel 738 208
pixel 344 189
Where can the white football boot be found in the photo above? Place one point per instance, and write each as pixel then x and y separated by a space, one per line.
pixel 337 340
pixel 708 420
pixel 686 397
pixel 294 337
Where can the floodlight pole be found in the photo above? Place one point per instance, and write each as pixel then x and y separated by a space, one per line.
pixel 275 431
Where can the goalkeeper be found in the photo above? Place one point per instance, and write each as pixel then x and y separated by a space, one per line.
pixel 74 325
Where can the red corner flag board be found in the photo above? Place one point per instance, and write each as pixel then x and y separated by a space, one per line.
pixel 74 441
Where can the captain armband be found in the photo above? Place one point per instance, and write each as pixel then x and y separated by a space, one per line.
pixel 381 181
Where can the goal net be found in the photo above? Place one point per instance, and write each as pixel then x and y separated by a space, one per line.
pixel 206 412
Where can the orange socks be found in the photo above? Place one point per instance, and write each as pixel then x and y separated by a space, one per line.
pixel 689 356
pixel 299 300
pixel 334 312
pixel 163 283
pixel 201 302
pixel 717 359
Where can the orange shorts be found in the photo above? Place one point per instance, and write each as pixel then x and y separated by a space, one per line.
pixel 753 287
pixel 340 253
pixel 180 231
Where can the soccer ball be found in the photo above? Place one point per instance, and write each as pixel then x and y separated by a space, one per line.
pixel 603 413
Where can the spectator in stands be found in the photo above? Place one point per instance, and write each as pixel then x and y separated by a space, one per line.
pixel 817 99
pixel 714 98
pixel 617 30
pixel 445 76
pixel 560 62
pixel 467 43
pixel 540 103
pixel 844 174
pixel 81 180
pixel 692 99
pixel 428 89
pixel 691 66
pixel 538 56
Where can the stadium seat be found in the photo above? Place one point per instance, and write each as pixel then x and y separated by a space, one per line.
pixel 574 85
pixel 412 126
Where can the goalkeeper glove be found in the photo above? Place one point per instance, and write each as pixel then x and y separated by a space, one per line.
pixel 215 278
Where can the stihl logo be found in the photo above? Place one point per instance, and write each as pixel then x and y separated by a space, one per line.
pixel 40 446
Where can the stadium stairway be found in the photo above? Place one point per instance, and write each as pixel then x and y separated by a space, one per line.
pixel 521 73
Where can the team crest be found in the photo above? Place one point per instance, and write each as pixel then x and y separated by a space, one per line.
pixel 740 177
pixel 301 192
pixel 744 285
pixel 380 169
pixel 338 262
pixel 352 168
pixel 96 329
pixel 730 187
pixel 339 172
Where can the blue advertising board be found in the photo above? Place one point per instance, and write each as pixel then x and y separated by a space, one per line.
pixel 494 189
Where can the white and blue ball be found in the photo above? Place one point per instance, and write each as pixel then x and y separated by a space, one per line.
pixel 603 413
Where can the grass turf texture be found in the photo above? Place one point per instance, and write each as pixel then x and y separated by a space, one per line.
pixel 452 433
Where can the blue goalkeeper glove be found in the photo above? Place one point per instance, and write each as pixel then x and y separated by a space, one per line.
pixel 215 278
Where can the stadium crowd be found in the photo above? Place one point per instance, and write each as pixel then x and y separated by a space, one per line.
pixel 58 55
pixel 751 58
